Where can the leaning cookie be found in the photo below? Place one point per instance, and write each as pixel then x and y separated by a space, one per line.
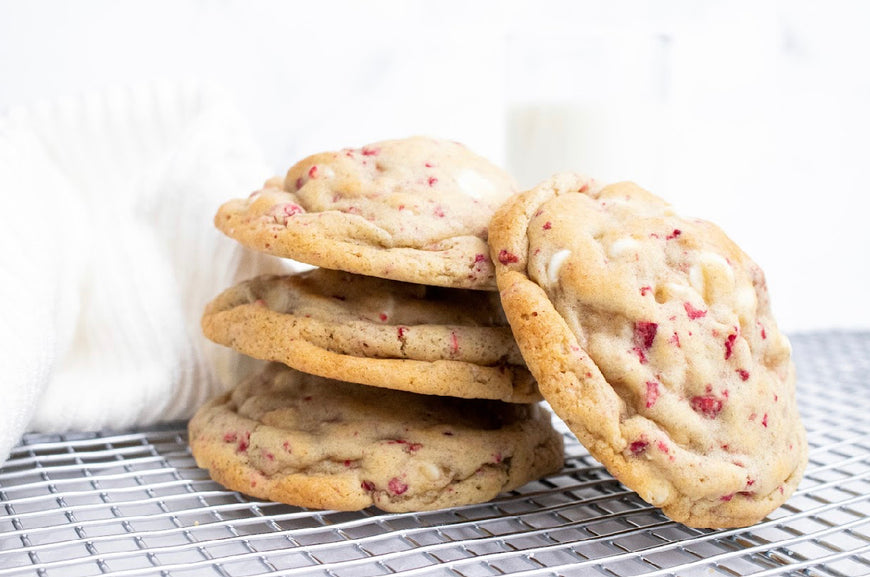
pixel 378 332
pixel 652 337
pixel 303 440
pixel 413 210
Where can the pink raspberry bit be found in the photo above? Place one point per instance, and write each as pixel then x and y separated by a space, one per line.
pixel 439 211
pixel 244 442
pixel 287 446
pixel 505 257
pixel 370 151
pixel 693 312
pixel 645 333
pixel 548 225
pixel 764 420
pixel 396 486
pixel 729 345
pixel 367 486
pixel 727 497
pixel 652 393
pixel 383 317
pixel 641 355
pixel 677 232
pixel 400 331
pixel 230 438
pixel 312 172
pixel 409 446
pixel 283 212
pixel 299 183
pixel 454 343
pixel 707 405
pixel 432 181
pixel 644 290
pixel 744 374
pixel 479 258
pixel 637 447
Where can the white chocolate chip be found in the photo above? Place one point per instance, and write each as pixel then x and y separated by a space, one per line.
pixel 622 246
pixel 657 492
pixel 473 184
pixel 745 302
pixel 430 471
pixel 555 265
pixel 713 277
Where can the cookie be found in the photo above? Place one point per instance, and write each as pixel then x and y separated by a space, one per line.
pixel 304 440
pixel 413 210
pixel 378 332
pixel 652 336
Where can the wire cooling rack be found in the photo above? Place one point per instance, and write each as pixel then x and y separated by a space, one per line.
pixel 134 504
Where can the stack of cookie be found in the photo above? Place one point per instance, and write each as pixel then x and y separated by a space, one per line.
pixel 398 382
pixel 649 334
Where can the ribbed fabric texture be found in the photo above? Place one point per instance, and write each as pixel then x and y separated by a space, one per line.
pixel 108 256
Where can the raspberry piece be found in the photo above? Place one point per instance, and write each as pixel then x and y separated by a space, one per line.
pixel 432 181
pixel 645 289
pixel 707 405
pixel 454 343
pixel 548 225
pixel 401 332
pixel 370 151
pixel 645 333
pixel 652 393
pixel 244 442
pixel 383 317
pixel 282 212
pixel 729 345
pixel 637 447
pixel 367 486
pixel 230 438
pixel 641 356
pixel 396 486
pixel 409 447
pixel 505 257
pixel 312 172
pixel 744 374
pixel 693 312
pixel 677 232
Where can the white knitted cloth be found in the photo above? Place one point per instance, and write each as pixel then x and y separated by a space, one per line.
pixel 108 256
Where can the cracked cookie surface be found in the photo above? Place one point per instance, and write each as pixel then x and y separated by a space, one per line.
pixel 652 336
pixel 413 210
pixel 303 440
pixel 405 336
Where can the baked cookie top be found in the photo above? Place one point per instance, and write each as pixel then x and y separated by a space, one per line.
pixel 415 210
pixel 384 333
pixel 304 440
pixel 652 336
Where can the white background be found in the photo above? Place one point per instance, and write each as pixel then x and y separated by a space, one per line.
pixel 755 115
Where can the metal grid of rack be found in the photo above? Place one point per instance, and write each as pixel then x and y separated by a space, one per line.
pixel 134 503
